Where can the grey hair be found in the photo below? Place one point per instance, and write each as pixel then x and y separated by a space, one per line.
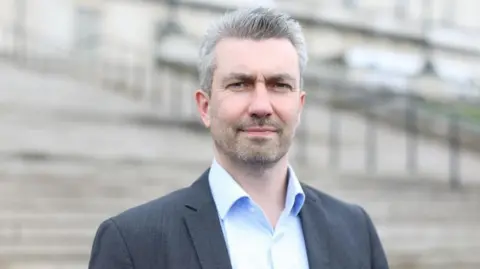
pixel 249 23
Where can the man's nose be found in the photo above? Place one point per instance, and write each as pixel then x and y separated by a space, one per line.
pixel 260 105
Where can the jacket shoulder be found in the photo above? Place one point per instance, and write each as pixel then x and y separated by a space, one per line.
pixel 155 210
pixel 334 207
pixel 146 235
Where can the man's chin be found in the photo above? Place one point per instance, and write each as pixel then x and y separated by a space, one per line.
pixel 257 155
pixel 259 160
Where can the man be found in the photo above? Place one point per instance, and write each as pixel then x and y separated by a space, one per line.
pixel 248 210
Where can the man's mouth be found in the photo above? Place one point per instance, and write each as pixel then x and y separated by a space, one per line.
pixel 260 130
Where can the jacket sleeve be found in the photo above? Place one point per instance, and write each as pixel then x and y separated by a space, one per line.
pixel 109 249
pixel 378 259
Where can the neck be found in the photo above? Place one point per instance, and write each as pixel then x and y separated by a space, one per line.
pixel 266 185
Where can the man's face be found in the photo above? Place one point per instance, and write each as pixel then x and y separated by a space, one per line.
pixel 255 101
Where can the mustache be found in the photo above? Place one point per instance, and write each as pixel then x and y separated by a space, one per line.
pixel 259 122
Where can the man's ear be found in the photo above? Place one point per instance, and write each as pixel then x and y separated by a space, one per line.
pixel 303 95
pixel 301 105
pixel 202 100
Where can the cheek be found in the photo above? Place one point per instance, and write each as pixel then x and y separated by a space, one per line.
pixel 287 111
pixel 229 109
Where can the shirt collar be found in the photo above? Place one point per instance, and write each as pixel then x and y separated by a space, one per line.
pixel 226 191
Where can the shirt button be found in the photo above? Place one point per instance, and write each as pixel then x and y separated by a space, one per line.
pixel 252 209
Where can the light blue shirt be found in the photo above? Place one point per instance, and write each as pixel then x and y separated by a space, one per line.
pixel 251 240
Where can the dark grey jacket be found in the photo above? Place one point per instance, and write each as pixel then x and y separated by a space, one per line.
pixel 182 231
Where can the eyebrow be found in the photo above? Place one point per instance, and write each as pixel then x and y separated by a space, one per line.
pixel 246 76
pixel 239 76
pixel 282 77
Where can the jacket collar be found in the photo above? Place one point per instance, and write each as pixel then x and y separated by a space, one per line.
pixel 203 223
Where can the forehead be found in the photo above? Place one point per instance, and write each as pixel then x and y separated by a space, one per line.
pixel 256 56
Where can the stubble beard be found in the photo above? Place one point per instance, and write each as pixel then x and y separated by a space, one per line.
pixel 254 153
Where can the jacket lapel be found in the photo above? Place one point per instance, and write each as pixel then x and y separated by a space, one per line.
pixel 315 229
pixel 203 224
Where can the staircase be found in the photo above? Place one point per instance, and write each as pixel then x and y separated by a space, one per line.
pixel 72 155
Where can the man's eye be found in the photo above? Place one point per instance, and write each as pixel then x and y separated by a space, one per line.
pixel 283 86
pixel 237 85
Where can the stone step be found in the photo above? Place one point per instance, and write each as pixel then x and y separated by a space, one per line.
pixel 394 235
pixel 125 195
pixel 42 237
pixel 19 220
pixel 422 212
pixel 58 186
pixel 83 243
pixel 381 212
pixel 44 252
pixel 97 204
pixel 430 235
pixel 136 187
pixel 139 190
pixel 397 259
pixel 435 259
pixel 449 260
pixel 34 220
pixel 96 184
pixel 392 183
pixel 404 264
pixel 53 264
pixel 65 205
pixel 70 173
pixel 42 163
